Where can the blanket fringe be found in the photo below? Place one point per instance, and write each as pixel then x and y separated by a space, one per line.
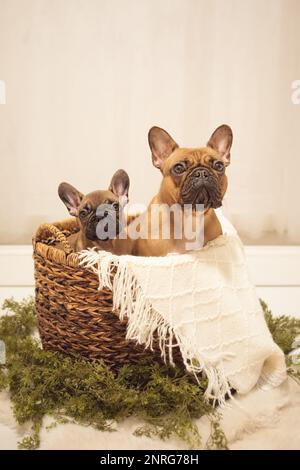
pixel 144 321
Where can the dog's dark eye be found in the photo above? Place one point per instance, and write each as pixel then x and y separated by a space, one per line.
pixel 115 206
pixel 84 211
pixel 218 166
pixel 179 168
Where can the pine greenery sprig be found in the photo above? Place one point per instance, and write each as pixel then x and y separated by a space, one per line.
pixel 168 400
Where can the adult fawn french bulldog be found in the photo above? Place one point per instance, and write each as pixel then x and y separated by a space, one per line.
pixel 191 176
pixel 99 213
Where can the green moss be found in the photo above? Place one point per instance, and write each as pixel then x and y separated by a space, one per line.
pixel 88 392
pixel 168 400
pixel 284 329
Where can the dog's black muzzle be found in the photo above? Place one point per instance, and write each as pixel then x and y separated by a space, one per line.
pixel 104 225
pixel 201 187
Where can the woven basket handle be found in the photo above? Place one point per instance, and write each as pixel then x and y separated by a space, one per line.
pixel 58 235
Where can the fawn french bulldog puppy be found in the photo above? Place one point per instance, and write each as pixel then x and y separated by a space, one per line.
pixel 191 176
pixel 99 213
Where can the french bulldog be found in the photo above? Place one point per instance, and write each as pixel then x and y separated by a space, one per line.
pixel 99 213
pixel 191 176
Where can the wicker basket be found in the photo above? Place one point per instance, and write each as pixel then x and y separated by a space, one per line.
pixel 74 317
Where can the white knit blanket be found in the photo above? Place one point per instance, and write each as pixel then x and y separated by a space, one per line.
pixel 203 302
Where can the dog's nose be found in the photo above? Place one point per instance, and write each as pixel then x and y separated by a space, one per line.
pixel 201 173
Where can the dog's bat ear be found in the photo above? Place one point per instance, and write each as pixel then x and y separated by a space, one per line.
pixel 119 184
pixel 71 197
pixel 221 141
pixel 161 145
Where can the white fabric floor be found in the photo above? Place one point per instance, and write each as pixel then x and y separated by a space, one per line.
pixel 260 420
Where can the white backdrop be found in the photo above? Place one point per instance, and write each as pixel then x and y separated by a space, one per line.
pixel 85 79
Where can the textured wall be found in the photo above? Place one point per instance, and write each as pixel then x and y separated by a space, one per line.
pixel 85 79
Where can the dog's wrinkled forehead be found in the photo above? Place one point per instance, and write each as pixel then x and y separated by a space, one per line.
pixel 164 148
pixel 96 198
pixel 195 156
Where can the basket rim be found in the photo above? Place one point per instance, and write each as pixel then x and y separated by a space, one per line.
pixel 51 252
